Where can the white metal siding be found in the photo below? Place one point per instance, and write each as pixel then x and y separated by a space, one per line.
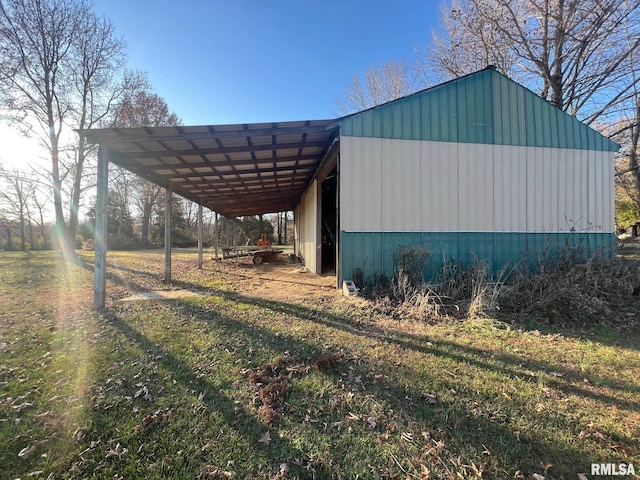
pixel 400 180
pixel 439 203
pixel 307 227
pixel 361 179
pixel 474 185
pixel 509 194
pixel 411 185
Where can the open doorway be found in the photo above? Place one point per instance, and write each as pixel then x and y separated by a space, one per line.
pixel 329 222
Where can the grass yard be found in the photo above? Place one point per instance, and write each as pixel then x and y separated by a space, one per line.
pixel 269 373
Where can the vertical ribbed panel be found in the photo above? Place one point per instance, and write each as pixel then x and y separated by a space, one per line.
pixel 400 191
pixel 373 252
pixel 361 183
pixel 307 227
pixel 509 193
pixel 475 187
pixel 404 185
pixel 459 111
pixel 484 108
pixel 439 199
pixel 523 118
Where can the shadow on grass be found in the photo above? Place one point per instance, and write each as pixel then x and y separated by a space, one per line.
pixel 459 424
pixel 277 280
pixel 512 366
pixel 242 421
pixel 463 430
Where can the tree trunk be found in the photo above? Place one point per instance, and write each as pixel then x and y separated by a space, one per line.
pixel 634 164
pixel 217 239
pixel 556 80
pixel 146 220
pixel 57 192
pixel 9 238
pixel 31 239
pixel 23 237
pixel 77 185
pixel 62 235
pixel 43 229
pixel 286 216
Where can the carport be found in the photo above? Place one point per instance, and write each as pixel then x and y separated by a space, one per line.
pixel 234 170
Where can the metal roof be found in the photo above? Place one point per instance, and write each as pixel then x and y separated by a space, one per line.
pixel 235 170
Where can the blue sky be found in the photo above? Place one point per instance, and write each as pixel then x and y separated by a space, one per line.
pixel 237 61
pixel 249 61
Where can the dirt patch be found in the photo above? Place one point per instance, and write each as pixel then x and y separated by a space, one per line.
pixel 277 280
pixel 162 295
pixel 271 386
pixel 131 274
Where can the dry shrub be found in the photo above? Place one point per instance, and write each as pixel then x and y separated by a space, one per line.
pixel 418 302
pixel 410 261
pixel 452 281
pixel 271 388
pixel 326 362
pixel 457 291
pixel 572 289
pixel 566 287
pixel 485 292
pixel 273 395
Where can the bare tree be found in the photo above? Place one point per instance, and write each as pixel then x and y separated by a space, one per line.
pixel 141 108
pixel 391 80
pixel 40 200
pixel 98 57
pixel 120 196
pixel 15 195
pixel 627 133
pixel 467 42
pixel 575 53
pixel 58 66
pixel 146 197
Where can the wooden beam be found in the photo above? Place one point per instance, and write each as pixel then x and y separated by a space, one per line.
pixel 167 233
pixel 217 240
pixel 269 189
pixel 240 182
pixel 329 162
pixel 200 235
pixel 219 150
pixel 240 185
pixel 211 134
pixel 100 262
pixel 263 207
pixel 234 174
pixel 254 198
pixel 224 163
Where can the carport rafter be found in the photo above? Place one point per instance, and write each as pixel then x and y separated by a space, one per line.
pixel 222 150
pixel 271 161
pixel 303 168
pixel 240 179
pixel 220 132
pixel 295 149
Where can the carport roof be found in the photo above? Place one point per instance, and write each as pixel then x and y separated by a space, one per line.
pixel 236 170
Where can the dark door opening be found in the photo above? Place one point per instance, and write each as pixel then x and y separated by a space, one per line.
pixel 329 222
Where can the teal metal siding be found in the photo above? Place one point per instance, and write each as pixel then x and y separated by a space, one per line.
pixel 523 118
pixel 460 111
pixel 485 107
pixel 373 252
